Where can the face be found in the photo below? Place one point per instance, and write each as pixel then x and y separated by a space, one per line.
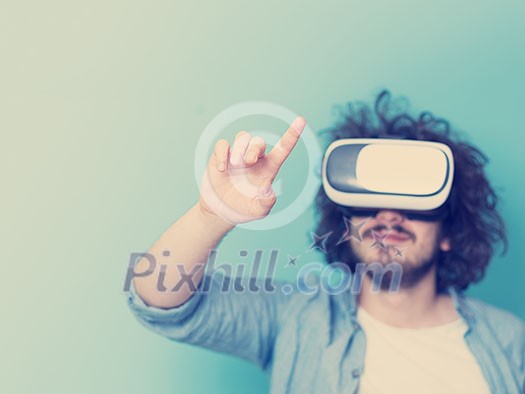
pixel 390 236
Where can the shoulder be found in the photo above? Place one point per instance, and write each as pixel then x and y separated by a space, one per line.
pixel 500 319
pixel 505 327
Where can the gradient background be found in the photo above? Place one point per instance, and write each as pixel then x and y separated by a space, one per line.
pixel 101 107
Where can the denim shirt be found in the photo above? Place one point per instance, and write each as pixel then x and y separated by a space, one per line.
pixel 312 343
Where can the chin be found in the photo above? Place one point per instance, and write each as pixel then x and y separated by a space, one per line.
pixel 381 254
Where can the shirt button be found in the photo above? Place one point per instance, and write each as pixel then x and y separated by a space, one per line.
pixel 355 326
pixel 356 373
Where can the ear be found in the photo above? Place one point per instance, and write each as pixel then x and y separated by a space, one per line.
pixel 444 245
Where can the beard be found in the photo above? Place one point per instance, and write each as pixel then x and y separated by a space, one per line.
pixel 412 272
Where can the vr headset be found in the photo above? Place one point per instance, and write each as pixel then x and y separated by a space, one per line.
pixel 372 174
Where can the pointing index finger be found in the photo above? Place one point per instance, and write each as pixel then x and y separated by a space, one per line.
pixel 286 143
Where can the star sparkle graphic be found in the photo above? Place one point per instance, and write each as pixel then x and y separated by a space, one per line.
pixel 399 251
pixel 352 231
pixel 319 242
pixel 379 240
pixel 292 261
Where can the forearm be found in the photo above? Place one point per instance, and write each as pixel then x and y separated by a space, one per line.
pixel 189 241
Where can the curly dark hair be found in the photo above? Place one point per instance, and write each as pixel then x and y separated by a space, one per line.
pixel 472 223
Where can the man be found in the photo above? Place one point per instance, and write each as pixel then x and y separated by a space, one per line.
pixel 425 338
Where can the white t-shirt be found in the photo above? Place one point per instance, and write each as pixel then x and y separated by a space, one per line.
pixel 428 360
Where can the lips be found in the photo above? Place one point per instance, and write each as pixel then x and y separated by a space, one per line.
pixel 391 236
pixel 396 237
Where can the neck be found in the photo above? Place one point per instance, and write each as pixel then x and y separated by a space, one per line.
pixel 415 307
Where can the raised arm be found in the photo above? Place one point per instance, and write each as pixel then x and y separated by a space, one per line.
pixel 236 188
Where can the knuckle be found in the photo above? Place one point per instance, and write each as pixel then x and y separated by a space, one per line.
pixel 287 141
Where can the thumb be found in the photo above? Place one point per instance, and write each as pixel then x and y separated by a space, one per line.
pixel 266 195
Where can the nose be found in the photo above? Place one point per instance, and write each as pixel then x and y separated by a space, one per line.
pixel 390 217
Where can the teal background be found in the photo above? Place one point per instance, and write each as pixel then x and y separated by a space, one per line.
pixel 101 107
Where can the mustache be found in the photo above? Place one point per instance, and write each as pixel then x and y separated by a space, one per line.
pixel 396 227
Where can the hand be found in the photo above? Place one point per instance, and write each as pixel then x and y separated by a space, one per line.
pixel 237 184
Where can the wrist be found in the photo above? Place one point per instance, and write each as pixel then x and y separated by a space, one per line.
pixel 212 222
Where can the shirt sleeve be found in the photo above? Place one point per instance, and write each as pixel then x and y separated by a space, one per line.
pixel 243 324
